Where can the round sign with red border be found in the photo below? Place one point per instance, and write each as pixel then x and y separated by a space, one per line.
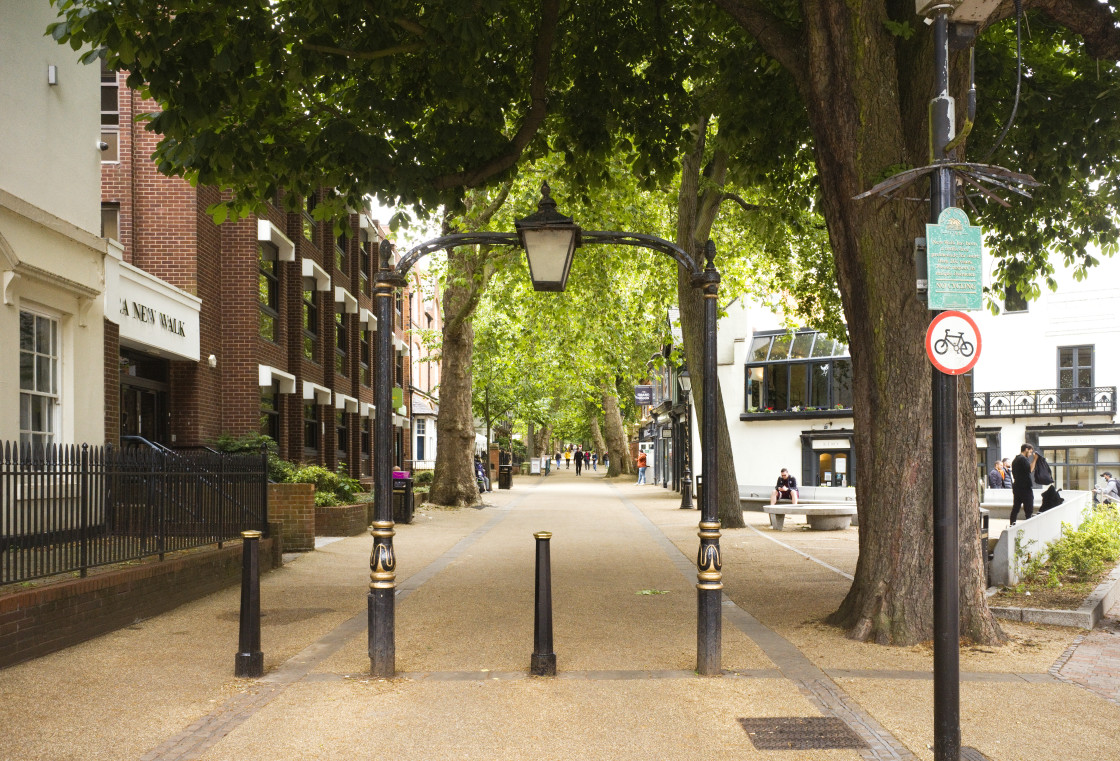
pixel 953 343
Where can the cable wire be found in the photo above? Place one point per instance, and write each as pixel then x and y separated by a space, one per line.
pixel 1018 79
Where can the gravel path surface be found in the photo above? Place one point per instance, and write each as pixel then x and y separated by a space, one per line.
pixel 624 608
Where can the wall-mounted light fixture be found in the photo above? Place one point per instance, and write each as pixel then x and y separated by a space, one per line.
pixel 52 74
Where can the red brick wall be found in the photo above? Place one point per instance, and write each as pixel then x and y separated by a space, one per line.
pixel 34 622
pixel 293 506
pixel 112 383
pixel 341 520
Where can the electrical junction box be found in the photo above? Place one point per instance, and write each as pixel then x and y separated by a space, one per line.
pixel 963 11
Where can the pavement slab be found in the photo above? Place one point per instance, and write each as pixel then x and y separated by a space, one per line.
pixel 624 607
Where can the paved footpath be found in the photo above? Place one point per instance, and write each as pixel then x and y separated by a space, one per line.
pixel 1093 660
pixel 625 618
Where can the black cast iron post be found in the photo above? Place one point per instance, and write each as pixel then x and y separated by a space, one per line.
pixel 946 612
pixel 709 577
pixel 686 446
pixel 543 662
pixel 382 562
pixel 250 659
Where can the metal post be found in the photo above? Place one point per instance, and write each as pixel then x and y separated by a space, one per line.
pixel 946 613
pixel 250 660
pixel 382 562
pixel 686 446
pixel 84 502
pixel 543 662
pixel 709 586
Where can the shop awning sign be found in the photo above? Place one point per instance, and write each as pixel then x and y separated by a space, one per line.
pixel 643 395
pixel 953 259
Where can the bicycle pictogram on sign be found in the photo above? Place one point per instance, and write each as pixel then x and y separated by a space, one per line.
pixel 953 343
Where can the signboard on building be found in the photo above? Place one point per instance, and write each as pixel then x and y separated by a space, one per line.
pixel 953 250
pixel 643 395
pixel 156 316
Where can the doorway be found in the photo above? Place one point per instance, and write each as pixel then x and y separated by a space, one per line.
pixel 145 397
pixel 832 468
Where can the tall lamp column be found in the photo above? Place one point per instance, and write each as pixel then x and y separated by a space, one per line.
pixel 685 382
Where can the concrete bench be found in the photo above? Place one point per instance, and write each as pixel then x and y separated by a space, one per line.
pixel 821 517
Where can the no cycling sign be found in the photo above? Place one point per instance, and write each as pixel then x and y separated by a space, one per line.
pixel 953 343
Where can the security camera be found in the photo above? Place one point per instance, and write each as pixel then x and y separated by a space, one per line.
pixel 102 146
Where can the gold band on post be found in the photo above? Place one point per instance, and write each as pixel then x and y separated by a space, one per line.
pixel 383 563
pixel 251 535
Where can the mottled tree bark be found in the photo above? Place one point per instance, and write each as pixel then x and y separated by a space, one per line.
pixel 621 462
pixel 597 435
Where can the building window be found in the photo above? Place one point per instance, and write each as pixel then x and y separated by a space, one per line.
pixel 268 289
pixel 363 357
pixel 1013 301
pixel 367 438
pixel 1080 468
pixel 341 341
pixel 802 372
pixel 342 450
pixel 308 220
pixel 400 370
pixel 311 427
pixel 420 425
pixel 398 301
pixel 1075 374
pixel 363 265
pixel 310 323
pixel 111 221
pixel 270 411
pixel 110 115
pixel 340 255
pixel 38 378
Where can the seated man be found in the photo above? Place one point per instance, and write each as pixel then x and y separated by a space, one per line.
pixel 480 474
pixel 786 488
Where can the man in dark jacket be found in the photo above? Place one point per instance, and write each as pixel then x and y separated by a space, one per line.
pixel 786 488
pixel 997 477
pixel 1022 487
pixel 578 457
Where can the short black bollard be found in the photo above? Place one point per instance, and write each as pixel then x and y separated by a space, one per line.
pixel 543 662
pixel 250 659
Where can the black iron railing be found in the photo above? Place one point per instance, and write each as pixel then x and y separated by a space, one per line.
pixel 68 508
pixel 1049 401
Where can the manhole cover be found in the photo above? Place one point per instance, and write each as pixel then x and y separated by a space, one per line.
pixel 801 733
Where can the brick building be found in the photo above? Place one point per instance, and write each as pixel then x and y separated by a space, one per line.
pixel 260 325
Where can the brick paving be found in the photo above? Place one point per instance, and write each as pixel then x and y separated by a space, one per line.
pixel 1093 660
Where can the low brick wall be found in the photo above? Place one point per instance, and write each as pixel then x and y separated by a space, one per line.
pixel 341 520
pixel 41 620
pixel 293 505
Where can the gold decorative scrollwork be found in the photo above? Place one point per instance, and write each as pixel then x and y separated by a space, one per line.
pixel 382 562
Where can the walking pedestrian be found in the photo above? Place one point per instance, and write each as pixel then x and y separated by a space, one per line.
pixel 641 467
pixel 558 461
pixel 1022 487
pixel 578 457
pixel 595 461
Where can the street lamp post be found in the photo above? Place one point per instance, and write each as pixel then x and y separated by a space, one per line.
pixel 684 380
pixel 550 240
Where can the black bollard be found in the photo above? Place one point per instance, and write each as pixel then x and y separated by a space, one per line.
pixel 543 662
pixel 250 659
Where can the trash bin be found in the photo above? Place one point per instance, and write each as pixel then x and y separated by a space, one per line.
pixel 699 491
pixel 525 468
pixel 505 476
pixel 403 505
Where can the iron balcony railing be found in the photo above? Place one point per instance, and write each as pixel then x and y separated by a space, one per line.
pixel 69 508
pixel 1048 401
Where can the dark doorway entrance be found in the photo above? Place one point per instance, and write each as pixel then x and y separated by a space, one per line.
pixel 145 408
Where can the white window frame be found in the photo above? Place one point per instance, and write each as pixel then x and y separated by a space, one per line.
pixel 54 416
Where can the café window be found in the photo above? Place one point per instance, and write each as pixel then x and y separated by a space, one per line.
pixel 1080 468
pixel 312 427
pixel 341 341
pixel 270 411
pixel 799 372
pixel 38 379
pixel 268 289
pixel 310 322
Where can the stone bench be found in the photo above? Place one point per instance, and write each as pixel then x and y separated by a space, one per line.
pixel 821 517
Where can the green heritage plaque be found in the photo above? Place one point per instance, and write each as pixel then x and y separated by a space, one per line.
pixel 953 258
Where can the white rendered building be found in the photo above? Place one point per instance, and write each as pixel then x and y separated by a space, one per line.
pixel 53 262
pixel 1047 375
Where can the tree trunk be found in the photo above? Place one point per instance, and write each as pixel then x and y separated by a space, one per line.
pixel 851 90
pixel 697 208
pixel 621 462
pixel 597 434
pixel 453 483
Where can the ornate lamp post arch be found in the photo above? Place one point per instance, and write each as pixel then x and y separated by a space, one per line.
pixel 550 240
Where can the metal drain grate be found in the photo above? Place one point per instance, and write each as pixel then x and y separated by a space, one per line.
pixel 801 733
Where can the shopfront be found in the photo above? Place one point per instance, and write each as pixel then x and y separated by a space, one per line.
pixel 159 326
pixel 828 458
pixel 1079 456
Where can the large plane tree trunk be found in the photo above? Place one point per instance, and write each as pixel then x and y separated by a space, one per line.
pixel 621 463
